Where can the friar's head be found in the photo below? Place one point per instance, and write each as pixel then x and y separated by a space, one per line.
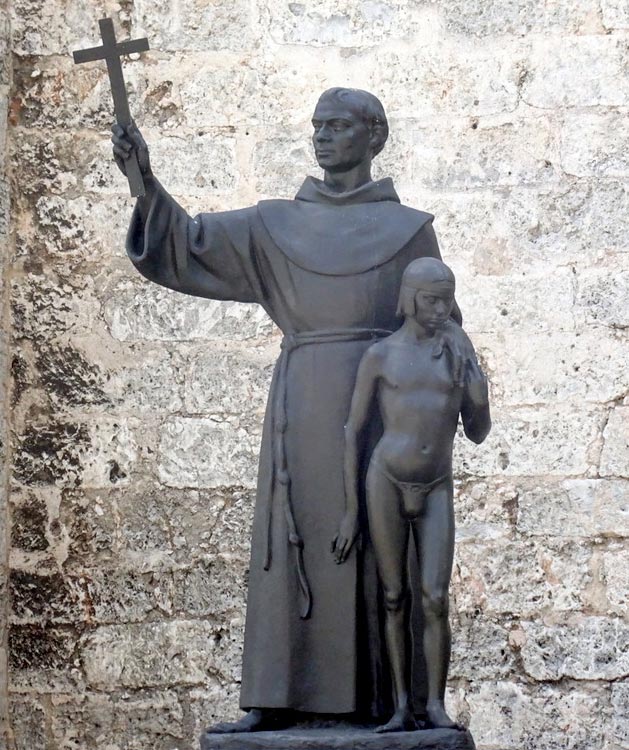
pixel 350 128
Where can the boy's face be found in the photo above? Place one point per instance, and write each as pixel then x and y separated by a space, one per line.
pixel 433 305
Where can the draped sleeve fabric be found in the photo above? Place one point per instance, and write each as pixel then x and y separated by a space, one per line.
pixel 210 255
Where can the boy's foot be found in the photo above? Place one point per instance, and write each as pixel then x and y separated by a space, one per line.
pixel 437 718
pixel 255 720
pixel 401 721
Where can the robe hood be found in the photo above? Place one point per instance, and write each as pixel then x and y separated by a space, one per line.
pixel 340 234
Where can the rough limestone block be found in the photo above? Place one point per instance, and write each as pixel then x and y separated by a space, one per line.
pixel 117 595
pixel 122 721
pixel 509 230
pixel 159 654
pixel 198 452
pixel 603 297
pixel 620 701
pixel 595 145
pixel 214 587
pixel 552 652
pixel 231 382
pixel 46 28
pixel 580 71
pixel 38 599
pixel 615 455
pixel 280 163
pixel 520 577
pixel 216 701
pixel 343 23
pixel 449 76
pixel 483 508
pixel 68 454
pixel 195 25
pixel 615 574
pixel 575 508
pixel 28 723
pixel 512 716
pixel 562 367
pixel 55 93
pixel 530 441
pixel 43 659
pixel 493 152
pixel 480 649
pixel 86 522
pixel 494 304
pixel 46 307
pixel 29 523
pixel 136 310
pixel 5 37
pixel 615 14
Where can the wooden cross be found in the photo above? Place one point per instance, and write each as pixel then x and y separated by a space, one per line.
pixel 111 52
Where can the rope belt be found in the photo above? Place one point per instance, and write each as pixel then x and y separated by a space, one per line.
pixel 281 481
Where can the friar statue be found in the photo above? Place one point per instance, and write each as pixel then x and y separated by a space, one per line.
pixel 327 268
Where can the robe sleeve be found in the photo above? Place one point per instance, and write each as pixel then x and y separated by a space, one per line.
pixel 211 255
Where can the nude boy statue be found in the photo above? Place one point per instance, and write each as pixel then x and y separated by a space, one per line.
pixel 420 394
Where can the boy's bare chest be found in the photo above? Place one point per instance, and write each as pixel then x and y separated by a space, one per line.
pixel 409 369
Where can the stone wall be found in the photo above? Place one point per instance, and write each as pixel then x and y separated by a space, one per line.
pixel 135 413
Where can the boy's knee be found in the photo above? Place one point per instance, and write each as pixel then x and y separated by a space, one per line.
pixel 435 603
pixel 394 600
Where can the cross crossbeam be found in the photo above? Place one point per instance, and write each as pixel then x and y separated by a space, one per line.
pixel 111 51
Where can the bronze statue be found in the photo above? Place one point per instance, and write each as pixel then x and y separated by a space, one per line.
pixel 419 393
pixel 326 267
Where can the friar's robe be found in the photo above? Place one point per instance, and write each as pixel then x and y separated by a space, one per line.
pixel 319 265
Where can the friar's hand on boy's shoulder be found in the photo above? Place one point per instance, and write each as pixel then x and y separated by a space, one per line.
pixel 476 383
pixel 453 339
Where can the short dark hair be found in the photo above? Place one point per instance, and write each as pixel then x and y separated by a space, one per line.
pixel 418 271
pixel 369 107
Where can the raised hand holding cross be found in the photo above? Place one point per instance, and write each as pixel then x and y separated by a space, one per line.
pixel 111 52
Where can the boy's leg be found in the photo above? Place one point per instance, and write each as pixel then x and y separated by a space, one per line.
pixel 434 540
pixel 389 534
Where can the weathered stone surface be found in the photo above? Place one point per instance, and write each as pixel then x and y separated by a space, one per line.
pixel 615 572
pixel 122 721
pixel 214 587
pixel 615 14
pixel 217 701
pixel 29 523
pixel 494 18
pixel 343 23
pixel 197 452
pixel 41 599
pixel 485 153
pixel 603 297
pixel 483 508
pixel 531 441
pixel 515 716
pixel 247 372
pixel 575 507
pixel 579 71
pixel 194 25
pixel 620 701
pixel 615 454
pixel 480 648
pixel 517 303
pixel 69 454
pixel 280 164
pixel 551 576
pixel 587 367
pixel 161 654
pixel 28 723
pixel 551 652
pixel 139 311
pixel 595 145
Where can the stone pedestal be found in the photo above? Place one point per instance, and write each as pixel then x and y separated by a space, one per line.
pixel 340 738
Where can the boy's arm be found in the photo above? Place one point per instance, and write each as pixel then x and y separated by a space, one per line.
pixel 360 410
pixel 475 406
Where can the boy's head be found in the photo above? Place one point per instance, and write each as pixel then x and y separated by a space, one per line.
pixel 427 292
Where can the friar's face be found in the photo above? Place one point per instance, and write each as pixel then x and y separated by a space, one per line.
pixel 341 137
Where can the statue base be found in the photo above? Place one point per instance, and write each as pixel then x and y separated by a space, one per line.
pixel 339 738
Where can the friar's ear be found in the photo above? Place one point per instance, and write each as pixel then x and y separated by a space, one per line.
pixel 379 135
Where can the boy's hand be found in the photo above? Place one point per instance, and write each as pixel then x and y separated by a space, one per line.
pixel 476 384
pixel 127 141
pixel 344 540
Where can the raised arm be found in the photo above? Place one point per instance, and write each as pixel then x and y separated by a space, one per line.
pixel 210 255
pixel 363 402
pixel 475 406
